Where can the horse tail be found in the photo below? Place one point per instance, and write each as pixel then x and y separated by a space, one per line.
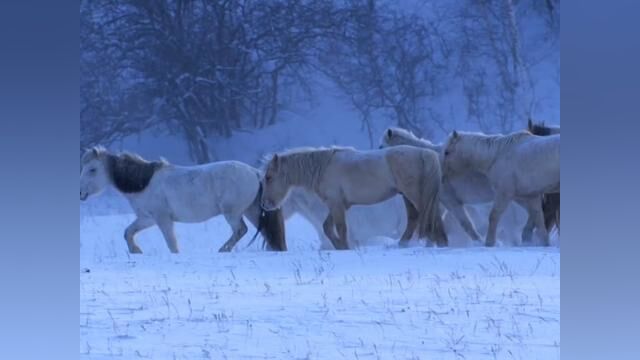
pixel 270 225
pixel 430 218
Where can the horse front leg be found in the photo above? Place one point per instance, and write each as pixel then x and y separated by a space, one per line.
pixel 460 213
pixel 166 227
pixel 238 230
pixel 499 206
pixel 130 232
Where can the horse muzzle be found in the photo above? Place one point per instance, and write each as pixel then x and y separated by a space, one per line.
pixel 83 195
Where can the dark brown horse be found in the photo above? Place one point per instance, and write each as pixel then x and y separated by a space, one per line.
pixel 550 202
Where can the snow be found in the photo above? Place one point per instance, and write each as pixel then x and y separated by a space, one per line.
pixel 377 302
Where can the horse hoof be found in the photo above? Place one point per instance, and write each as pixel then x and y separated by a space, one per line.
pixel 136 250
pixel 224 249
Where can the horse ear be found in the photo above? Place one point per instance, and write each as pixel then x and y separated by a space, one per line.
pixel 529 124
pixel 389 133
pixel 454 134
pixel 276 161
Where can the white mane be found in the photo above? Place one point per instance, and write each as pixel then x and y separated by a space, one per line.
pixel 410 138
pixel 482 143
pixel 300 150
pixel 305 165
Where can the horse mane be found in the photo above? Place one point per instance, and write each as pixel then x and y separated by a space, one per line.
pixel 305 165
pixel 128 172
pixel 483 143
pixel 301 150
pixel 540 128
pixel 411 138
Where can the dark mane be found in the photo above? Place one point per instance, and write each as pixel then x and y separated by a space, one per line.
pixel 539 128
pixel 130 173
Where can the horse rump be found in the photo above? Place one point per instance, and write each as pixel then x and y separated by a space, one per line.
pixel 430 218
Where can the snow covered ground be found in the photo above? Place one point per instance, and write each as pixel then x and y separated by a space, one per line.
pixel 377 302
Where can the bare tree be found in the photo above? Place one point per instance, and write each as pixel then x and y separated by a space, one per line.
pixel 387 61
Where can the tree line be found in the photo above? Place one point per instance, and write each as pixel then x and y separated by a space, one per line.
pixel 211 68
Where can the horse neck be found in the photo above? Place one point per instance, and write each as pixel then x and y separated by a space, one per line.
pixel 306 169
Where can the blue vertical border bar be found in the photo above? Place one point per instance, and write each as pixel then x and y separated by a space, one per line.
pixel 39 137
pixel 600 96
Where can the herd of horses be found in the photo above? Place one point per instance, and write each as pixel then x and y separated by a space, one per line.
pixel 323 183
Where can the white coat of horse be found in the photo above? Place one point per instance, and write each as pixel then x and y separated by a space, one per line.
pixel 161 194
pixel 519 166
pixel 470 187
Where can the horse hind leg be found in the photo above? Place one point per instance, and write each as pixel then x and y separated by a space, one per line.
pixel 166 227
pixel 129 234
pixel 340 219
pixel 238 230
pixel 536 209
pixel 499 206
pixel 412 221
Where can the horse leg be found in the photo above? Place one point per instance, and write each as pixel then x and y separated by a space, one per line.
pixel 453 204
pixel 534 206
pixel 166 227
pixel 412 221
pixel 527 231
pixel 315 218
pixel 238 229
pixel 339 217
pixel 460 213
pixel 499 206
pixel 138 225
pixel 329 231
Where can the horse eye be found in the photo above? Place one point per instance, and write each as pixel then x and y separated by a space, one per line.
pixel 268 178
pixel 92 171
pixel 446 153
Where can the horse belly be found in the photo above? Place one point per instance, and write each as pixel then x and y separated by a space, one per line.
pixel 363 195
pixel 472 188
pixel 360 179
pixel 194 207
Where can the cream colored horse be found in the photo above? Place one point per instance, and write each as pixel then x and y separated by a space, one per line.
pixel 520 166
pixel 343 177
pixel 470 187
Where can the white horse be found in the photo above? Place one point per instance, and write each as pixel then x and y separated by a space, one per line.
pixel 343 177
pixel 520 166
pixel 470 187
pixel 161 194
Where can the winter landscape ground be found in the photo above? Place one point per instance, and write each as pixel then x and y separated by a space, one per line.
pixel 377 302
